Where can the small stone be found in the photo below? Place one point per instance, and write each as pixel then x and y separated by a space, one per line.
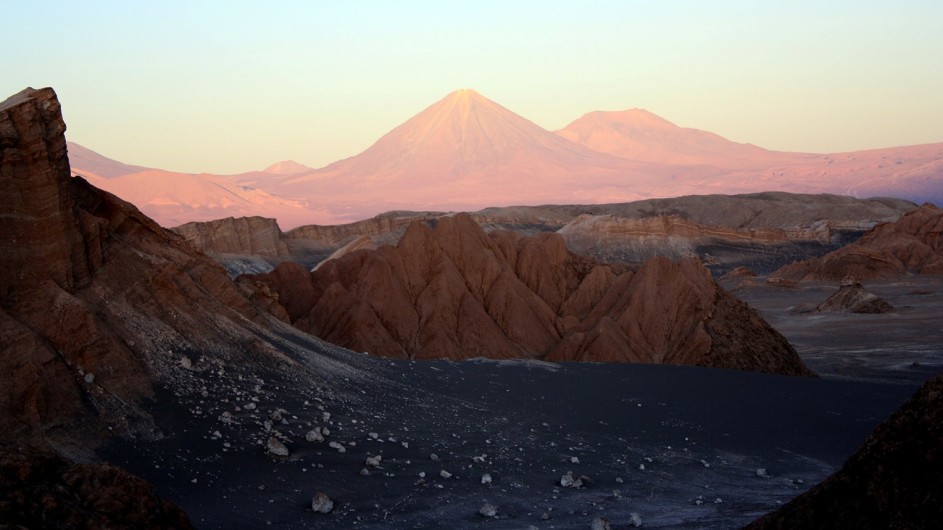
pixel 373 435
pixel 374 461
pixel 422 474
pixel 574 460
pixel 635 520
pixel 488 510
pixel 641 467
pixel 718 500
pixel 364 472
pixel 545 516
pixel 276 447
pixel 314 435
pixel 445 474
pixel 326 417
pixel 567 480
pixel 276 416
pixel 90 378
pixel 434 457
pixel 619 480
pixel 321 503
pixel 325 431
pixel 486 478
pixel 186 363
pixel 250 406
pixel 226 417
pixel 336 445
pixel 761 472
pixel 600 523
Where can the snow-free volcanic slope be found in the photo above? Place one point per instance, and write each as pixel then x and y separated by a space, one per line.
pixel 637 134
pixel 463 152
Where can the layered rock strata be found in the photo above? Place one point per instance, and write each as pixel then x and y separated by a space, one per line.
pixel 911 245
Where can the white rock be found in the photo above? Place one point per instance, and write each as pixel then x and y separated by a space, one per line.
pixel 486 478
pixel 619 480
pixel 445 474
pixel 567 480
pixel 250 406
pixel 364 472
pixel 314 435
pixel 276 447
pixel 321 503
pixel 326 417
pixel 90 378
pixel 600 523
pixel 325 431
pixel 641 467
pixel 705 463
pixel 336 445
pixel 635 520
pixel 488 510
pixel 373 435
pixel 761 472
pixel 374 461
pixel 434 457
pixel 422 474
pixel 574 460
pixel 186 363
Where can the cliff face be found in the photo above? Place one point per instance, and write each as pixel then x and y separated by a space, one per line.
pixel 893 481
pixel 95 299
pixel 455 292
pixel 911 245
pixel 243 235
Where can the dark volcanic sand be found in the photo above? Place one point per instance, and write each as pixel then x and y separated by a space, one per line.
pixel 700 433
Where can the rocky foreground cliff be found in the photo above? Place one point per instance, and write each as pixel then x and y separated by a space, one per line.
pixel 455 292
pixel 911 245
pixel 97 302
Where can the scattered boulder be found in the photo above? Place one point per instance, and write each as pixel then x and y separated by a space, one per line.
pixel 314 435
pixel 321 503
pixel 276 447
pixel 486 478
pixel 488 510
pixel 600 523
pixel 445 474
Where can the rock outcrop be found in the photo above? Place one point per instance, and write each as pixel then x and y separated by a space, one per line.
pixel 41 490
pixel 455 292
pixel 911 245
pixel 256 236
pixel 893 481
pixel 852 297
pixel 95 298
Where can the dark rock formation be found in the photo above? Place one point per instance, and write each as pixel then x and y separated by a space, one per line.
pixel 95 298
pixel 456 292
pixel 41 490
pixel 852 297
pixel 894 481
pixel 911 245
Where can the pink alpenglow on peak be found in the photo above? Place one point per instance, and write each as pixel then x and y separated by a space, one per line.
pixel 466 152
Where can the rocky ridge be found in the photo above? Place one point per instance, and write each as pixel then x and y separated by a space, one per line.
pixel 454 291
pixel 911 245
pixel 852 297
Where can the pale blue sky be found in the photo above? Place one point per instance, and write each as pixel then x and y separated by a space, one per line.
pixel 234 86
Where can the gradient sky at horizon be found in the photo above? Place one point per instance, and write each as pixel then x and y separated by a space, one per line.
pixel 227 87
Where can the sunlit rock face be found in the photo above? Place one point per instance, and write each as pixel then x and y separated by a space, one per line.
pixel 911 245
pixel 95 298
pixel 455 292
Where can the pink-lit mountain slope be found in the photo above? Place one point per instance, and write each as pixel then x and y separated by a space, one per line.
pixel 467 152
pixel 637 134
pixel 173 198
pixel 911 172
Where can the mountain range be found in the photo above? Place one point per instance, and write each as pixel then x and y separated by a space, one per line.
pixel 466 152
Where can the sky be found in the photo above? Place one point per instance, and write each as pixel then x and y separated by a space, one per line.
pixel 233 86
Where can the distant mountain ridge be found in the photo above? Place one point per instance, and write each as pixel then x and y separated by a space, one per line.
pixel 466 152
